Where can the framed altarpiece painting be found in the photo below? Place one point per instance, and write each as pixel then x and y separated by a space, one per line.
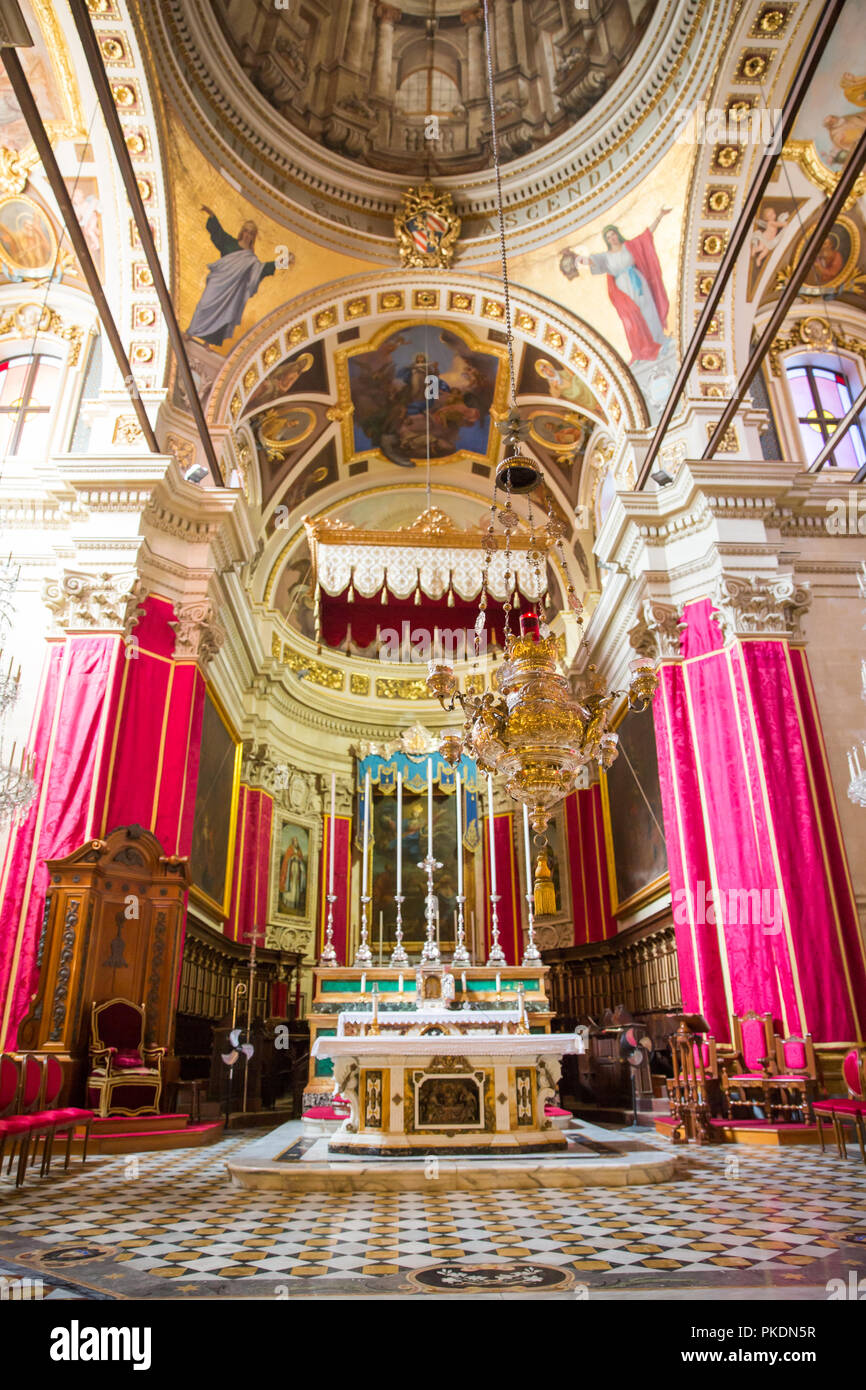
pixel 294 868
pixel 216 811
pixel 637 857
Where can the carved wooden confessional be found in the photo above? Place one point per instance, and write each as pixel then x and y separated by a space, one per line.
pixel 113 927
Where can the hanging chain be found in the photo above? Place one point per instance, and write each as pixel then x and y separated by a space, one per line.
pixel 500 212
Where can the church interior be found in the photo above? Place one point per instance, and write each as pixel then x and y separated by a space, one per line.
pixel 432 595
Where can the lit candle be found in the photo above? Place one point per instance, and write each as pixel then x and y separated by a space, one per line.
pixel 459 794
pixel 490 826
pixel 366 834
pixel 463 981
pixel 527 851
pixel 399 836
pixel 430 808
pixel 331 829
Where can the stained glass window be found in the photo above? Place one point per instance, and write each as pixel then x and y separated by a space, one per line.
pixel 822 397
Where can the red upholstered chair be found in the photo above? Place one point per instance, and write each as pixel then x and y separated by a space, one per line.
pixel 14 1129
pixel 853 1109
pixel 62 1120
pixel 125 1074
pixel 747 1076
pixel 795 1079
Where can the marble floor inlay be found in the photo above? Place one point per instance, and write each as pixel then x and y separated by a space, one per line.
pixel 169 1224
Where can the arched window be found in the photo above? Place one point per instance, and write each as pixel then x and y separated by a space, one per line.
pixel 822 395
pixel 412 97
pixel 28 390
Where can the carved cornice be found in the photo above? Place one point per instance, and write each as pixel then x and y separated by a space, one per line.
pixel 758 607
pixel 198 635
pixel 658 630
pixel 80 602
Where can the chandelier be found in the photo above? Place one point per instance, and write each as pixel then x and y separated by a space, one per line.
pixel 531 729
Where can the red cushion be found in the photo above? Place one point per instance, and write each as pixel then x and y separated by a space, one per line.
pixel 790 1080
pixel 794 1053
pixel 119 1025
pixel 16 1125
pixel 124 1061
pixel 824 1107
pixel 745 1078
pixel 8 1082
pixel 325 1112
pixel 754 1041
pixel 849 1107
pixel 556 1110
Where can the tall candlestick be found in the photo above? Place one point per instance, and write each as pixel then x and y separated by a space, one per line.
pixel 461 955
pixel 490 828
pixel 398 955
pixel 331 831
pixel 531 954
pixel 363 955
pixel 497 955
pixel 429 808
pixel 399 832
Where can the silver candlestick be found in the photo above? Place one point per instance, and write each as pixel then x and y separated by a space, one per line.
pixel 398 955
pixel 461 955
pixel 532 955
pixel 363 955
pixel 497 955
pixel 329 955
pixel 430 952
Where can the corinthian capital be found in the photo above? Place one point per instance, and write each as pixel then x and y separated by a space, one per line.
pixel 657 632
pixel 759 607
pixel 198 635
pixel 92 601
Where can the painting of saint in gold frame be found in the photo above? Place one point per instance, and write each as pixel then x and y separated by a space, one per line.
pixel 216 803
pixel 637 857
pixel 294 869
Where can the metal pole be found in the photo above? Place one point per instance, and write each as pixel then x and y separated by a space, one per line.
pixel 743 226
pixel 99 77
pixel 30 112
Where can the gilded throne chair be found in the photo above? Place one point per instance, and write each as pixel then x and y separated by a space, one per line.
pixel 125 1073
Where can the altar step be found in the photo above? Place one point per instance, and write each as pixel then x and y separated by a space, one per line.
pixel 123 1134
pixel 751 1131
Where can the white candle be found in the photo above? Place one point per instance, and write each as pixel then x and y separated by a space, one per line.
pixel 463 981
pixel 399 835
pixel 527 851
pixel 381 933
pixel 498 984
pixel 363 982
pixel 459 794
pixel 430 808
pixel 366 834
pixel 400 985
pixel 490 826
pixel 331 829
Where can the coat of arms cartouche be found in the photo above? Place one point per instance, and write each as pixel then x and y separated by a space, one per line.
pixel 427 228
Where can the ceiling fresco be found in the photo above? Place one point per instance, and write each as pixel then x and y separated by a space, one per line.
pixel 366 81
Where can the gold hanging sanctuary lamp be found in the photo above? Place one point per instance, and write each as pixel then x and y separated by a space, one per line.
pixel 531 728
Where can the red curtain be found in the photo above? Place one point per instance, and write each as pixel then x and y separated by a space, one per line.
pixel 369 616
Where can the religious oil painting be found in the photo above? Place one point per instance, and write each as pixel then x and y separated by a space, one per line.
pixel 419 381
pixel 837 256
pixel 304 373
pixel 633 826
pixel 832 116
pixel 28 245
pixel 293 868
pixel 213 830
pixel 540 375
pixel 384 872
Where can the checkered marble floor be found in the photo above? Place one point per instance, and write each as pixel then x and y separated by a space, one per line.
pixel 162 1225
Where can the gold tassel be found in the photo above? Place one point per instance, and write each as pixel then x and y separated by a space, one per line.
pixel 544 891
pixel 350 597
